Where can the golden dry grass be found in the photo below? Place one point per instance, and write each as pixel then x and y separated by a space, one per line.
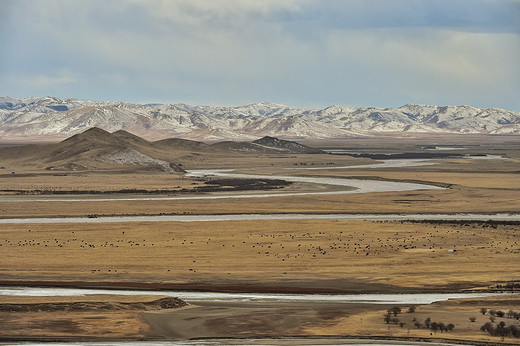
pixel 313 253
pixel 96 182
pixel 107 317
pixel 55 325
pixel 457 312
pixel 479 186
pixel 457 199
pixel 245 319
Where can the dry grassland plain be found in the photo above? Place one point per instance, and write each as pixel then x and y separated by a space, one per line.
pixel 297 255
pixel 275 255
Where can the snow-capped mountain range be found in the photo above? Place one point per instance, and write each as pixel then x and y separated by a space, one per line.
pixel 59 118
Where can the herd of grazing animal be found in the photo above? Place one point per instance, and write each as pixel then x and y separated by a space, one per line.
pixel 176 249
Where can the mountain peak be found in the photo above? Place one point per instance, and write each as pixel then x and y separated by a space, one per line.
pixel 92 133
pixel 268 138
pixel 33 117
pixel 96 131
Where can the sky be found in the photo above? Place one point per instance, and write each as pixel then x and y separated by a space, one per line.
pixel 302 53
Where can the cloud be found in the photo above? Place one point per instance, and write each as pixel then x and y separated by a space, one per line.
pixel 353 52
pixel 51 81
pixel 59 78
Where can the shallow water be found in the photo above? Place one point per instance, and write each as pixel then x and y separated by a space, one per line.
pixel 349 186
pixel 195 296
pixel 260 217
pixel 394 163
pixel 483 157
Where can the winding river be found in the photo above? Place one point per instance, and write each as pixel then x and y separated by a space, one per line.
pixel 348 186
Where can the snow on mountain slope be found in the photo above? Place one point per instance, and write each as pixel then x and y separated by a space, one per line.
pixel 293 127
pixel 50 116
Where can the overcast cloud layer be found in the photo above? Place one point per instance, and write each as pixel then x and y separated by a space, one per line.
pixel 306 53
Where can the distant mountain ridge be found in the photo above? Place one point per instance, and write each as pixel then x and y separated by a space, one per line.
pixel 60 118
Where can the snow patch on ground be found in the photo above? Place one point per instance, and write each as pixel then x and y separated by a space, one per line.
pixel 134 157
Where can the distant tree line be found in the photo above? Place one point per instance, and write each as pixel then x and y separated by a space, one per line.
pixel 392 313
pixel 500 313
pixel 501 329
pixel 509 286
pixel 434 326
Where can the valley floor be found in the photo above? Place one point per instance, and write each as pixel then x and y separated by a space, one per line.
pixel 271 255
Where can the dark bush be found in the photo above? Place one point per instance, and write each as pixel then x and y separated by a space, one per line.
pixel 395 310
pixel 501 330
pixel 434 326
pixel 487 327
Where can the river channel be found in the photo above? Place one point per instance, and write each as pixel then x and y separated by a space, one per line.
pixel 244 299
pixel 346 185
pixel 197 297
pixel 260 217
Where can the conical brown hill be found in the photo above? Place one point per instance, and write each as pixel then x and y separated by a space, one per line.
pixel 93 142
